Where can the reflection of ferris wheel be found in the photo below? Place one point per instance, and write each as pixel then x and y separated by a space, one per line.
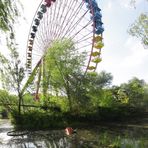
pixel 78 20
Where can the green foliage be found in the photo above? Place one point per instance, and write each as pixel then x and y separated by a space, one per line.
pixel 91 91
pixel 7 103
pixel 135 91
pixel 11 70
pixel 107 99
pixel 62 62
pixel 6 98
pixel 145 97
pixel 36 119
pixel 30 79
pixel 60 101
pixel 9 11
pixel 139 29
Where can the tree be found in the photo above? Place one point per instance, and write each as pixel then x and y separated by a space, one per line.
pixel 139 29
pixel 133 2
pixel 94 85
pixel 145 99
pixel 64 74
pixel 62 62
pixel 135 91
pixel 9 11
pixel 12 72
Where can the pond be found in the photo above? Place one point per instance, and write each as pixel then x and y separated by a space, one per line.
pixel 94 137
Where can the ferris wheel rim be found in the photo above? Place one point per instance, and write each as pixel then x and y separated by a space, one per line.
pixel 92 47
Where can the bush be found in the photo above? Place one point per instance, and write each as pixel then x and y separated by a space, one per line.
pixel 119 113
pixel 35 120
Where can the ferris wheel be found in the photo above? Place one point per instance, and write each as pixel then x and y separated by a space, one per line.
pixel 78 20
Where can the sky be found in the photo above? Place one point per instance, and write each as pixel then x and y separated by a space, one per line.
pixel 123 55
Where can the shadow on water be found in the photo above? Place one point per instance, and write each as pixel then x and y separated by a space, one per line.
pixel 96 137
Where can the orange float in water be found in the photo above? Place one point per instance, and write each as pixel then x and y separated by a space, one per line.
pixel 69 131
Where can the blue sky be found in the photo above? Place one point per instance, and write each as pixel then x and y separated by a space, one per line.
pixel 123 55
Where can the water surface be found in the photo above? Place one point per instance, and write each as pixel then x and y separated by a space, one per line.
pixel 88 137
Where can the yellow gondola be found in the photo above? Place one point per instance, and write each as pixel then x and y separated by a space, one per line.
pixel 96 53
pixel 99 45
pixel 29 62
pixel 97 60
pixel 28 65
pixel 30 48
pixel 97 38
pixel 29 55
pixel 31 42
pixel 91 68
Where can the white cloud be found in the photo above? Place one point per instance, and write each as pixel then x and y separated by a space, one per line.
pixel 125 65
pixel 125 3
pixel 109 5
pixel 137 54
pixel 128 4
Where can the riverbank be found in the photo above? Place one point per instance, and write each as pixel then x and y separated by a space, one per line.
pixel 103 135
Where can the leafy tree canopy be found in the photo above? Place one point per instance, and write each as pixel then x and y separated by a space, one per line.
pixel 139 29
pixel 9 12
pixel 11 70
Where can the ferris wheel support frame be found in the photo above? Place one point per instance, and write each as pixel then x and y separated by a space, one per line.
pixel 31 37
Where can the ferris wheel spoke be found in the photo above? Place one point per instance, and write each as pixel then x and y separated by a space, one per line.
pixel 68 22
pixel 73 11
pixel 77 20
pixel 54 17
pixel 45 32
pixel 67 19
pixel 81 47
pixel 88 35
pixel 51 12
pixel 74 35
pixel 85 39
pixel 66 8
pixel 72 28
pixel 48 22
pixel 39 39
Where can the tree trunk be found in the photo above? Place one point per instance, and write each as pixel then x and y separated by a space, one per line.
pixel 19 104
pixel 69 98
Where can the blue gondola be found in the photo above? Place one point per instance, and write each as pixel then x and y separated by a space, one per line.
pixel 32 35
pixel 34 28
pixel 92 5
pixel 40 15
pixel 98 23
pixel 43 8
pixel 37 22
pixel 99 30
pixel 97 15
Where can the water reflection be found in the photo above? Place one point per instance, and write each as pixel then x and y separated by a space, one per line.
pixel 85 138
pixel 40 139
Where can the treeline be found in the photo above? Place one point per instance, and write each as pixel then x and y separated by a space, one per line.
pixel 95 101
pixel 66 95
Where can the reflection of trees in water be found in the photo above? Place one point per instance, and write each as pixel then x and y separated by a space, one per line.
pixel 41 139
pixel 84 138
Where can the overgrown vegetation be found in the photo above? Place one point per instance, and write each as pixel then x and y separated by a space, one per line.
pixel 69 97
pixel 12 72
pixel 139 29
pixel 9 12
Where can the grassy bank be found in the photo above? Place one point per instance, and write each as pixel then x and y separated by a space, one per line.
pixel 39 119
